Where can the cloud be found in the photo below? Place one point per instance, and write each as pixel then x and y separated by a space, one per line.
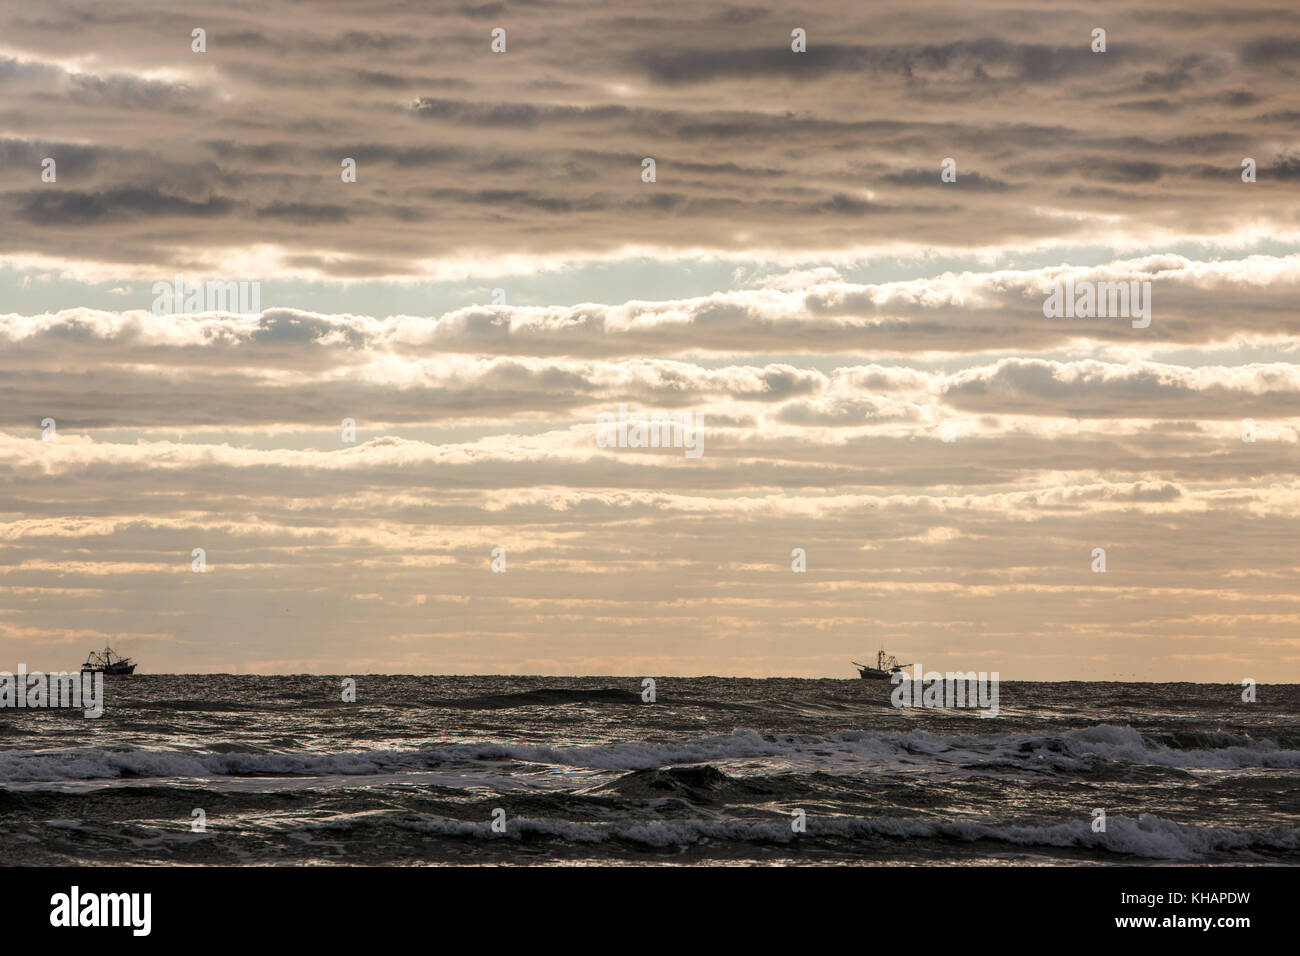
pixel 798 277
pixel 758 148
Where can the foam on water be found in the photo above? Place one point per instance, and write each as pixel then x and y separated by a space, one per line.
pixel 846 751
pixel 585 770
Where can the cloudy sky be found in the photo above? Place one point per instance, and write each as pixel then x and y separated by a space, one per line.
pixel 798 276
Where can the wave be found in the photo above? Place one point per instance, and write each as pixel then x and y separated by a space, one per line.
pixel 546 696
pixel 698 783
pixel 1215 750
pixel 1148 836
pixel 845 751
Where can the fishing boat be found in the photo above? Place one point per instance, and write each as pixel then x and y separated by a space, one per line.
pixel 107 663
pixel 886 666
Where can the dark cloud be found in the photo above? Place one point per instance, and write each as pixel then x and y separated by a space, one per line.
pixel 1027 62
pixel 1269 50
pixel 930 177
pixel 56 207
pixel 305 213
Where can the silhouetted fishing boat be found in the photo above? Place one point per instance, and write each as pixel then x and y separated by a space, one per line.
pixel 886 666
pixel 107 663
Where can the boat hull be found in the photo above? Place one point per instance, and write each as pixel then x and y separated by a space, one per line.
pixel 870 673
pixel 113 670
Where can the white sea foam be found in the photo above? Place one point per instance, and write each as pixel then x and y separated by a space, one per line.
pixel 1148 836
pixel 843 752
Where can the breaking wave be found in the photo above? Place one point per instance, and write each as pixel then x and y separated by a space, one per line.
pixel 1147 836
pixel 841 752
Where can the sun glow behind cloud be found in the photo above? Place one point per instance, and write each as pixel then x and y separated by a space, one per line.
pixel 798 275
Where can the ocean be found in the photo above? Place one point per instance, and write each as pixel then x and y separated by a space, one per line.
pixel 223 769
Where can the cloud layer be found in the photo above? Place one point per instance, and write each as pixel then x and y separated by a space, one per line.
pixel 174 159
pixel 877 382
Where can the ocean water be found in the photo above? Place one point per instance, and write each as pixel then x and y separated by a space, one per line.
pixel 582 771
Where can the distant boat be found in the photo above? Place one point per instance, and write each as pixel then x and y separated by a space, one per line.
pixel 886 666
pixel 107 663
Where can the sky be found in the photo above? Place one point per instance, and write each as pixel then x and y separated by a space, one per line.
pixel 860 338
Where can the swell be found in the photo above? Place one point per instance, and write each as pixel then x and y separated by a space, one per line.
pixel 845 751
pixel 545 696
pixel 1145 837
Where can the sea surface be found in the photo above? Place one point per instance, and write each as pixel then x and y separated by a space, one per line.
pixel 583 771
